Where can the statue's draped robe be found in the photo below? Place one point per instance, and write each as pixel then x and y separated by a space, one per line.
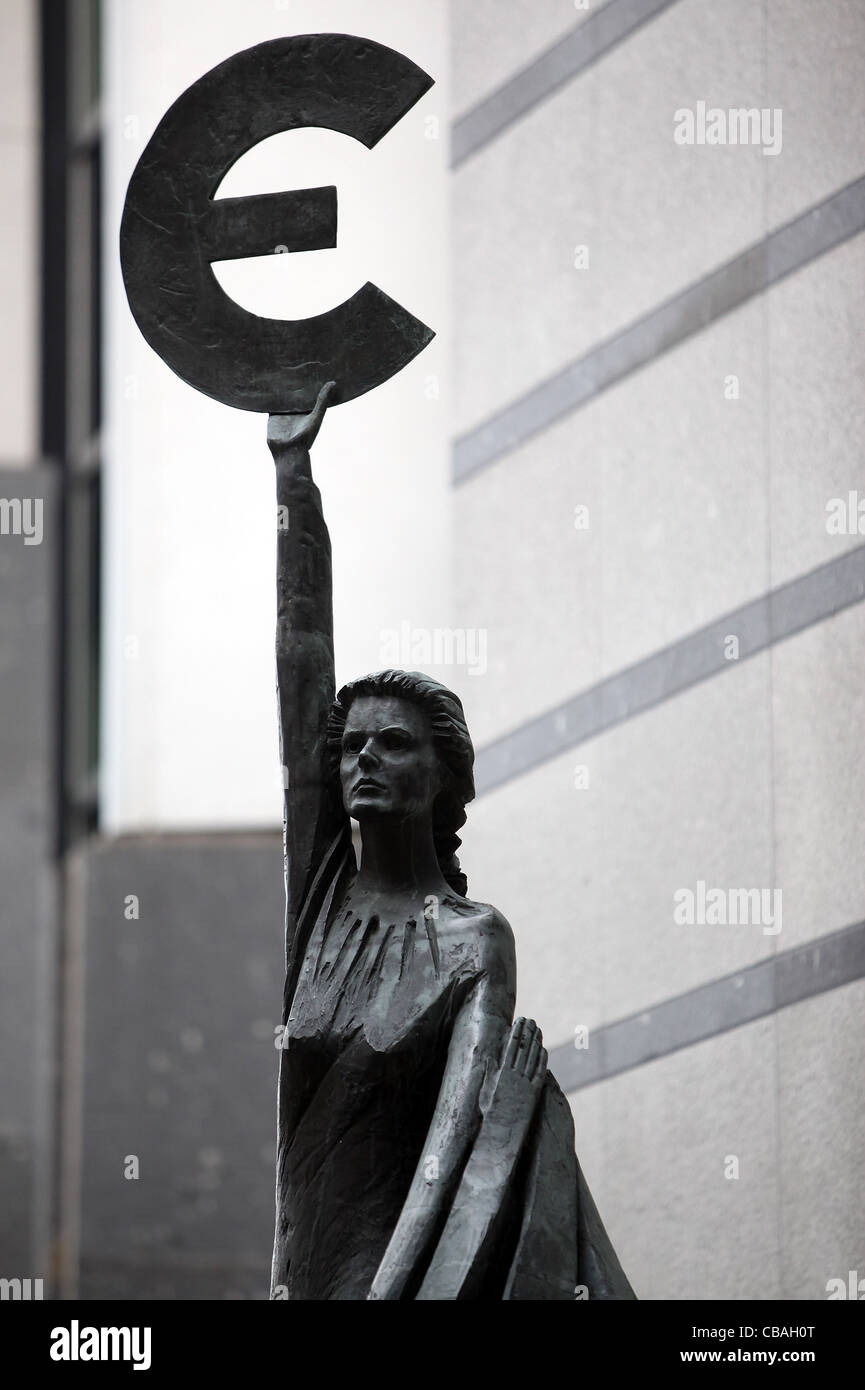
pixel 357 1090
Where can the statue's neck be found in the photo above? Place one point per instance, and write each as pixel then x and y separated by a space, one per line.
pixel 398 858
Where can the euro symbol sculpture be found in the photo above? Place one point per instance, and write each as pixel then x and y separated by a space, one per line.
pixel 173 227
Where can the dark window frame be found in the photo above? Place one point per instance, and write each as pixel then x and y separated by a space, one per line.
pixel 71 406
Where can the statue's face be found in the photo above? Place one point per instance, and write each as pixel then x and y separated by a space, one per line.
pixel 388 765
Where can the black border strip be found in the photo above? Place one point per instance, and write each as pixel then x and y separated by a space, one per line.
pixel 784 251
pixel 755 992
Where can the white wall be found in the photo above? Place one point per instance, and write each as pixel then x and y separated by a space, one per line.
pixel 699 503
pixel 189 731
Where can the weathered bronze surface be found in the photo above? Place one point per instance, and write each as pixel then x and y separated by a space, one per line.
pixel 425 1150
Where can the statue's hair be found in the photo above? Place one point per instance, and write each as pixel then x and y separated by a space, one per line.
pixel 451 741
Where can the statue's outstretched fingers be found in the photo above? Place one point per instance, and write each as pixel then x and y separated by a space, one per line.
pixel 321 403
pixel 531 1056
pixel 526 1040
pixel 309 428
pixel 533 1051
pixel 512 1049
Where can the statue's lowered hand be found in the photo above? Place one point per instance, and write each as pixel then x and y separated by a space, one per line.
pixel 522 1075
pixel 459 1263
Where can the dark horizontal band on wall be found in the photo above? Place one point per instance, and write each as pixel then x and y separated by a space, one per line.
pixel 781 613
pixel 702 1013
pixel 781 253
pixel 564 60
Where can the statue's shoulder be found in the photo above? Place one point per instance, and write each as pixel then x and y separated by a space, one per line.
pixel 495 921
pixel 483 915
pixel 488 928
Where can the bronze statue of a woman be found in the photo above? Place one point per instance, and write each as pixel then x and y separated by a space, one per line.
pixel 424 1149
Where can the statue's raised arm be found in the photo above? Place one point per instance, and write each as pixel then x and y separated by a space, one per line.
pixel 304 655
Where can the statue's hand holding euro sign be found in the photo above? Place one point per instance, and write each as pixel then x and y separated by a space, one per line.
pixel 299 431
